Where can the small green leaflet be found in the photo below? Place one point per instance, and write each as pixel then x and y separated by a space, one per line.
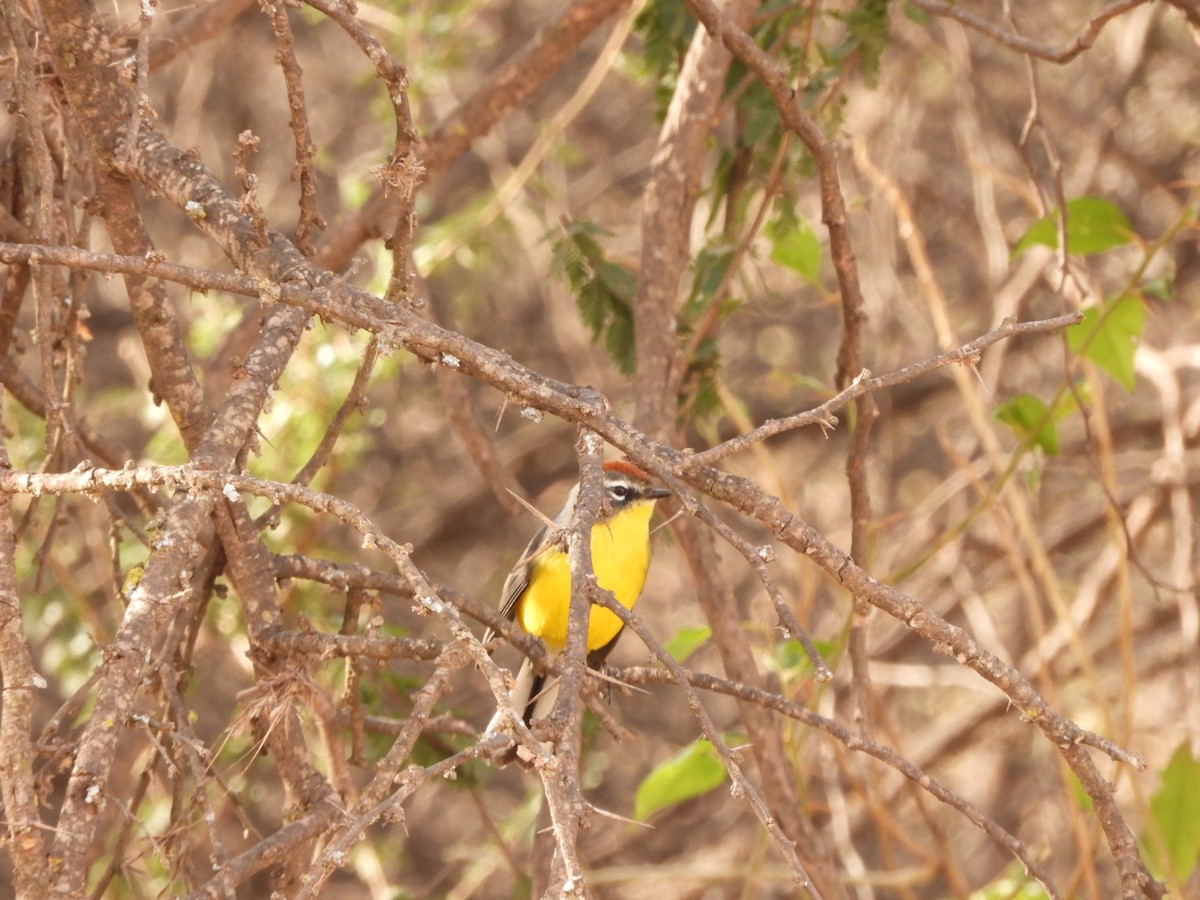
pixel 1093 226
pixel 709 268
pixel 1082 800
pixel 916 14
pixel 687 641
pixel 791 659
pixel 1159 288
pixel 797 247
pixel 694 770
pixel 1108 336
pixel 1176 812
pixel 604 290
pixel 1027 416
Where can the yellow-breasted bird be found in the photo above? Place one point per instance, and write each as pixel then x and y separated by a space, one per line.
pixel 537 592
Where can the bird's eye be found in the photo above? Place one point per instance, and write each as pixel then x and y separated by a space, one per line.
pixel 619 492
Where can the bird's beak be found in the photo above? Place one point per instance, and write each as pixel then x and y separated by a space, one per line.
pixel 656 493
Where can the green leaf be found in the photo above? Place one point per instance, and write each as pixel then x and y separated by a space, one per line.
pixel 693 771
pixel 916 14
pixel 687 641
pixel 867 35
pixel 709 268
pixel 798 248
pixel 1108 336
pixel 762 125
pixel 707 400
pixel 619 341
pixel 666 30
pixel 1175 809
pixel 593 307
pixel 1080 795
pixel 620 282
pixel 1093 226
pixel 1160 288
pixel 604 290
pixel 1028 417
pixel 789 657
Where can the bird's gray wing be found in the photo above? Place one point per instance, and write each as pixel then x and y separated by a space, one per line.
pixel 517 581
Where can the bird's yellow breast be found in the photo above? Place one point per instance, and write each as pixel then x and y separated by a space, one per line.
pixel 620 558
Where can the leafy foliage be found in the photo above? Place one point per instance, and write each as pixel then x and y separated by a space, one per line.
pixel 604 290
pixel 867 36
pixel 666 28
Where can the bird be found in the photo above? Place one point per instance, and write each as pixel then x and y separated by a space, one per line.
pixel 537 592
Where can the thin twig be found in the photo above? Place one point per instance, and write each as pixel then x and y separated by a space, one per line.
pixel 1050 53
pixel 823 415
pixel 305 170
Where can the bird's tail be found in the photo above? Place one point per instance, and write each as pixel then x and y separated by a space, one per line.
pixel 533 697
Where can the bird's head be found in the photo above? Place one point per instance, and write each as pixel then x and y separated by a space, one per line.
pixel 625 485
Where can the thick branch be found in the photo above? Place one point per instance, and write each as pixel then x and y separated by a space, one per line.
pixel 668 205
